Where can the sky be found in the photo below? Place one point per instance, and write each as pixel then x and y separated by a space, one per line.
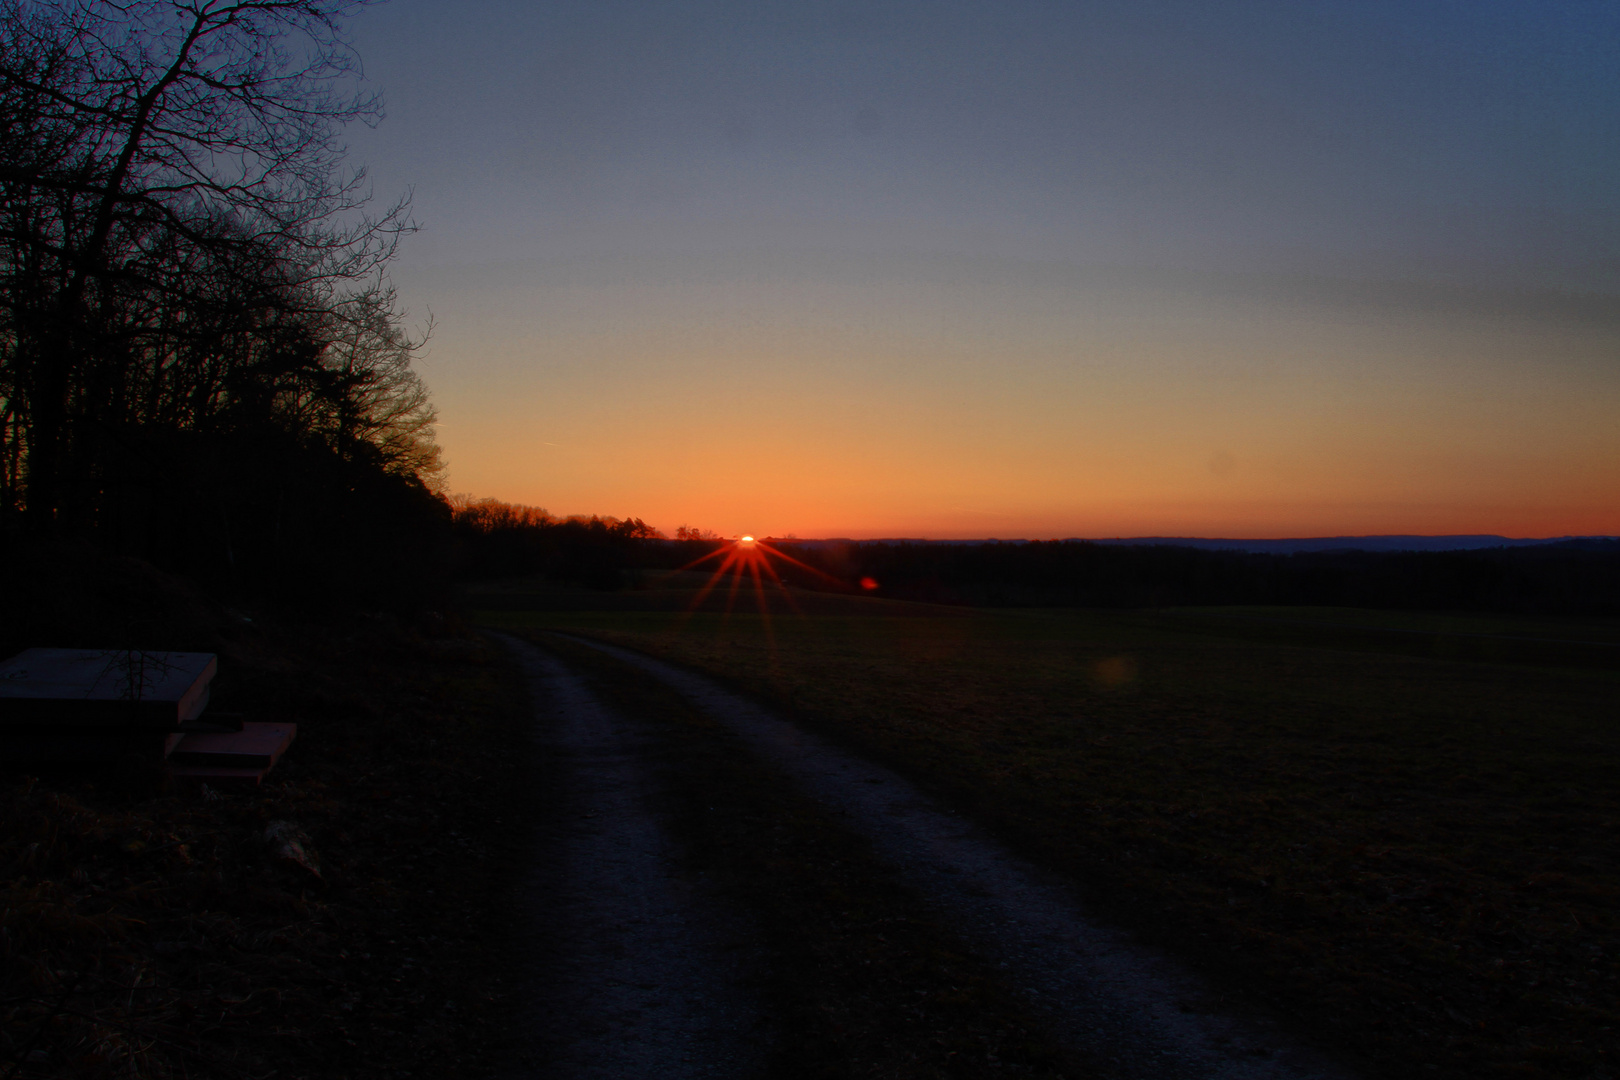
pixel 1014 269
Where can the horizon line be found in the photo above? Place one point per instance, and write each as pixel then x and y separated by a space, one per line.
pixel 1486 539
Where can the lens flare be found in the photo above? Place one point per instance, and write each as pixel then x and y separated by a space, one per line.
pixel 749 558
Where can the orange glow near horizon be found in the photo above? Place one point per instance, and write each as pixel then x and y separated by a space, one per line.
pixel 1013 405
pixel 898 285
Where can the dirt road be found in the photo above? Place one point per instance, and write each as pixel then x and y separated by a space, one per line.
pixel 1130 1011
pixel 639 971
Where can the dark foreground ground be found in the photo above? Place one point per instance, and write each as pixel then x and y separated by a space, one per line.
pixel 1100 1004
pixel 154 932
pixel 1410 858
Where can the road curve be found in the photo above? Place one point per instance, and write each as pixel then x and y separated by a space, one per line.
pixel 1107 996
pixel 638 971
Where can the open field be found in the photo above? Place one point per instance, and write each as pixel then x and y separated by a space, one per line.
pixel 1494 639
pixel 1432 623
pixel 1413 856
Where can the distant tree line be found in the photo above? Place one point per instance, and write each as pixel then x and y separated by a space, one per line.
pixel 201 361
pixel 492 539
pixel 1575 577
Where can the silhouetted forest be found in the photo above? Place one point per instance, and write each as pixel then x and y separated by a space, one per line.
pixel 1574 577
pixel 201 361
pixel 493 539
pixel 1579 577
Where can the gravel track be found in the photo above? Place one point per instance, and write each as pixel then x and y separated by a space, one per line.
pixel 638 972
pixel 1109 997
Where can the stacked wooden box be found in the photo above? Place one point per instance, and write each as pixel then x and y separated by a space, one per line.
pixel 80 705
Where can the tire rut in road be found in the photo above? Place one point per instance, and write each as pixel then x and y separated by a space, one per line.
pixel 860 978
pixel 1108 997
pixel 638 971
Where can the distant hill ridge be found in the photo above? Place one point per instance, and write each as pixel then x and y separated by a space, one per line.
pixel 1364 543
pixel 1287 546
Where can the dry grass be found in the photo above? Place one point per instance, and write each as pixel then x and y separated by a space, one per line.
pixel 1415 858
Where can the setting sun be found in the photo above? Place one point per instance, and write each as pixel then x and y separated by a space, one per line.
pixel 747 558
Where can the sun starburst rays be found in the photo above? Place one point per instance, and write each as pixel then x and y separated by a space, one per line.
pixel 751 559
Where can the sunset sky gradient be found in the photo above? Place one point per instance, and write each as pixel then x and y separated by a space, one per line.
pixel 1017 269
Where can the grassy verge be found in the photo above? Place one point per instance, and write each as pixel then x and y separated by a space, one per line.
pixel 1415 858
pixel 148 932
pixel 1567 643
pixel 861 981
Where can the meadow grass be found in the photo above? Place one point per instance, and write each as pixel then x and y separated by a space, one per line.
pixel 1412 856
pixel 1438 623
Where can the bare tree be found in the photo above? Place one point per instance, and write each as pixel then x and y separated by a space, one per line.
pixel 365 397
pixel 171 174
